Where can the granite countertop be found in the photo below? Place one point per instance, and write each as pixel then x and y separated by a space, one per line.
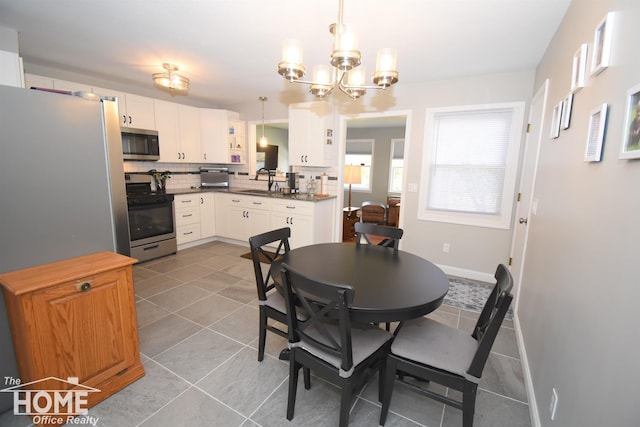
pixel 253 192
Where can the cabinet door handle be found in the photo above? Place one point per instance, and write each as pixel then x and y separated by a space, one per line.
pixel 291 207
pixel 291 220
pixel 124 119
pixel 306 159
pixel 187 216
pixel 201 201
pixel 84 286
pixel 302 158
pixel 129 119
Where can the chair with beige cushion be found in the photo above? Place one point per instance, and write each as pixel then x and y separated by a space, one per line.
pixel 432 351
pixel 344 353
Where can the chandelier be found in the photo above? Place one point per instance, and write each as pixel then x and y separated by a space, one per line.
pixel 171 81
pixel 345 59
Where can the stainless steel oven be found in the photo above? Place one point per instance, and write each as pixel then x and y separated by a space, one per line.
pixel 152 229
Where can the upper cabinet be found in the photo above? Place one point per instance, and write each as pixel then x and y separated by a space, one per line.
pixel 178 132
pixel 223 137
pixel 135 111
pixel 10 69
pixel 311 141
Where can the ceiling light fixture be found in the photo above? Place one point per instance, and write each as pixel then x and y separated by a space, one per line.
pixel 263 140
pixel 345 59
pixel 175 83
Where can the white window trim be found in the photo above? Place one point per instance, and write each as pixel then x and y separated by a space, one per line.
pixel 503 220
pixel 393 142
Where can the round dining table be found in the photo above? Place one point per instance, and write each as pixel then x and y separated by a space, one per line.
pixel 389 285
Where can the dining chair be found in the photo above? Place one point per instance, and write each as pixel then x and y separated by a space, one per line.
pixel 344 353
pixel 432 351
pixel 391 235
pixel 373 212
pixel 271 303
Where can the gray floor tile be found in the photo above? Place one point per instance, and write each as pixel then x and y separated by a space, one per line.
pixel 194 408
pixel 170 263
pixel 190 272
pixel 243 291
pixel 367 414
pixel 218 262
pixel 141 273
pixel 179 297
pixel 135 403
pixel 147 313
pixel 243 383
pixel 215 282
pixel 154 285
pixel 210 309
pixel 241 325
pixel 198 355
pixel 505 342
pixel 503 375
pixel 491 410
pixel 241 268
pixel 164 333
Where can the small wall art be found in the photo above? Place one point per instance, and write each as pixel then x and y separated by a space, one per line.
pixel 555 120
pixel 630 148
pixel 602 45
pixel 595 138
pixel 567 103
pixel 579 69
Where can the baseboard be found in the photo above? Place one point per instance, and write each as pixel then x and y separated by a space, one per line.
pixel 468 274
pixel 526 372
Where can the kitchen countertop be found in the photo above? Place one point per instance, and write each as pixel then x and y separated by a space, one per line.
pixel 252 192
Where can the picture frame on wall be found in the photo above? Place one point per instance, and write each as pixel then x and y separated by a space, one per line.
pixel 630 147
pixel 595 138
pixel 567 104
pixel 579 68
pixel 602 45
pixel 555 120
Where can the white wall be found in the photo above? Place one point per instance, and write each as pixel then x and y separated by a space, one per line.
pixel 579 299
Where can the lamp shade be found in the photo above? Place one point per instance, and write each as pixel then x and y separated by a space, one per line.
pixel 352 174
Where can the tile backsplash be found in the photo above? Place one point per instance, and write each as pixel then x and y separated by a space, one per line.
pixel 187 175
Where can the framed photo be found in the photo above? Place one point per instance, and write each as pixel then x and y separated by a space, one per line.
pixel 579 69
pixel 565 120
pixel 555 120
pixel 630 148
pixel 602 45
pixel 595 136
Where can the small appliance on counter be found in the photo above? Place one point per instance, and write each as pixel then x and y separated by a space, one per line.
pixel 214 178
pixel 293 182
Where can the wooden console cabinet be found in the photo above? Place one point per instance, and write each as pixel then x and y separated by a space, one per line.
pixel 75 319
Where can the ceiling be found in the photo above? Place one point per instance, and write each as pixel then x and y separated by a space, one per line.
pixel 230 48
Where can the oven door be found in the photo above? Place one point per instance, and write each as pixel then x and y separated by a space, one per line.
pixel 149 223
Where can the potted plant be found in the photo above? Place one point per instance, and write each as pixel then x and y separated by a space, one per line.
pixel 160 179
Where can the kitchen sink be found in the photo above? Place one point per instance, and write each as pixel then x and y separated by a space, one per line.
pixel 251 191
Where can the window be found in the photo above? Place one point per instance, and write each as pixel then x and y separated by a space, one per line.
pixel 471 160
pixel 360 152
pixel 397 166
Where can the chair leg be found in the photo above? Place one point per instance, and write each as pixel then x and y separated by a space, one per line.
pixel 262 333
pixel 389 379
pixel 293 386
pixel 345 404
pixel 468 403
pixel 307 378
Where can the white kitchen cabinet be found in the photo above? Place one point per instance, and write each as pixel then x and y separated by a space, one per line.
pixel 135 111
pixel 178 132
pixel 240 217
pixel 11 69
pixel 207 215
pixel 222 136
pixel 32 80
pixel 310 222
pixel 187 212
pixel 311 141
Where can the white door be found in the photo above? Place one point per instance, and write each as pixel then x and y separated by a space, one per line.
pixel 527 181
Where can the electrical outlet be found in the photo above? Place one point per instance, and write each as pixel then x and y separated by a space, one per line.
pixel 554 403
pixel 445 248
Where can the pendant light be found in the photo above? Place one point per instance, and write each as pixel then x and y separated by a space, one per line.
pixel 263 140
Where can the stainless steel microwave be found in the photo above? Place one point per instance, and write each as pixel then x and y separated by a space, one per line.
pixel 140 144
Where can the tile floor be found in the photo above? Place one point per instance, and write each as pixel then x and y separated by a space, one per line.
pixel 198 327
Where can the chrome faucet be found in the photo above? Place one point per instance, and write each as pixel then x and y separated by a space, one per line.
pixel 270 179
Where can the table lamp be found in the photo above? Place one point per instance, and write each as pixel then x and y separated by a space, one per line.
pixel 352 175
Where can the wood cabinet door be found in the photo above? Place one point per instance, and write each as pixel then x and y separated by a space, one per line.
pixel 86 333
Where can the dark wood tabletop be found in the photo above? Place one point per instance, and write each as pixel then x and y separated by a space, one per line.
pixel 389 285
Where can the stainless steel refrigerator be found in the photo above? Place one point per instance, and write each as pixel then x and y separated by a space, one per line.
pixel 62 190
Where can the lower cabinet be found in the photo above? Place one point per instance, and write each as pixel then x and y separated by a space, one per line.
pixel 187 210
pixel 75 320
pixel 239 217
pixel 207 215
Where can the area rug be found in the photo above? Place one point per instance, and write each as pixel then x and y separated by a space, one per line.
pixel 470 295
pixel 262 257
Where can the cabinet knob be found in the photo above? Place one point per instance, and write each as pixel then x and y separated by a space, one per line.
pixel 84 286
